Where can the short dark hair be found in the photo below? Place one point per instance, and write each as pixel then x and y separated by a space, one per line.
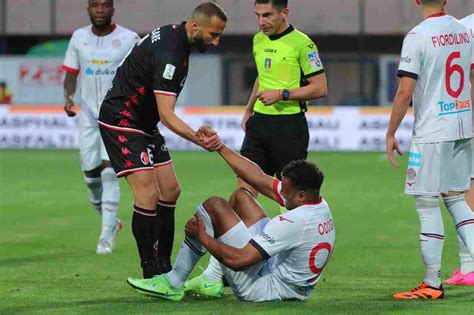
pixel 210 9
pixel 90 2
pixel 432 2
pixel 304 175
pixel 278 4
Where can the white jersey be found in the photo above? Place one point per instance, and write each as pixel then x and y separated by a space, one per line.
pixel 95 59
pixel 438 54
pixel 300 242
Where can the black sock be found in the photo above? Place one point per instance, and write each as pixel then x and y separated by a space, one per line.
pixel 166 234
pixel 143 227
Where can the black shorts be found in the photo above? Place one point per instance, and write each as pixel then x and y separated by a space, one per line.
pixel 272 141
pixel 132 150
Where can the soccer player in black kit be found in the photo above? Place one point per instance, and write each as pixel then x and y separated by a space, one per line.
pixel 144 92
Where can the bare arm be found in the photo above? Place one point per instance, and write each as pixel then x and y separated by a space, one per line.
pixel 235 258
pixel 250 104
pixel 248 171
pixel 70 85
pixel 316 88
pixel 175 124
pixel 401 103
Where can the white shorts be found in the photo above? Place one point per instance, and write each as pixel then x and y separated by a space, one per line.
pixel 91 148
pixel 472 160
pixel 435 168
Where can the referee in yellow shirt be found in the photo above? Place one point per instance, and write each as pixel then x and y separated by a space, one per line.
pixel 290 73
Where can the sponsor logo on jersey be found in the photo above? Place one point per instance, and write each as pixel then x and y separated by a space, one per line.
pixel 268 63
pixel 414 159
pixel 456 107
pixel 99 72
pixel 267 237
pixel 405 59
pixel 169 72
pixel 314 60
pixel 99 62
pixel 164 147
pixel 310 46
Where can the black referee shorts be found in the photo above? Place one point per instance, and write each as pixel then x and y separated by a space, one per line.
pixel 272 141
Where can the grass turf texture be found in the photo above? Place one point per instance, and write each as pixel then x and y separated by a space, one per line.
pixel 48 234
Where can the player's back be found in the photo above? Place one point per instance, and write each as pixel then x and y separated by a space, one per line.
pixel 299 268
pixel 437 53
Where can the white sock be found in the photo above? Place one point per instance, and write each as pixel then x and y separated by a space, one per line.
pixel 431 237
pixel 463 218
pixel 94 188
pixel 189 254
pixel 213 272
pixel 110 203
pixel 467 262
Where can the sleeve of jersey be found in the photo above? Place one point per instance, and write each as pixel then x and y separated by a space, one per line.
pixel 168 76
pixel 410 61
pixel 309 59
pixel 276 191
pixel 280 234
pixel 71 61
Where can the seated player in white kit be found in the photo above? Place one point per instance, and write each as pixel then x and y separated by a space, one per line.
pixel 262 259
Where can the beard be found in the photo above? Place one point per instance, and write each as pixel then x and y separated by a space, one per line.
pixel 101 24
pixel 198 43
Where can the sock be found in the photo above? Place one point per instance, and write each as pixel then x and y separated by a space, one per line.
pixel 143 225
pixel 94 188
pixel 463 218
pixel 110 202
pixel 165 221
pixel 431 237
pixel 189 254
pixel 467 262
pixel 213 272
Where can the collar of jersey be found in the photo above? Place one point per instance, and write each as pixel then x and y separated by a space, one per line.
pixel 312 203
pixel 436 15
pixel 288 30
pixel 184 36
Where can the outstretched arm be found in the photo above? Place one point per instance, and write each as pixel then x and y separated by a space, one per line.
pixel 250 172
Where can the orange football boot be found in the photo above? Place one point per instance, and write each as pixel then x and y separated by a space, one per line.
pixel 424 291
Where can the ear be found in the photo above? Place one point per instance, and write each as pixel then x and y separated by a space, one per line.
pixel 113 11
pixel 418 2
pixel 194 25
pixel 285 12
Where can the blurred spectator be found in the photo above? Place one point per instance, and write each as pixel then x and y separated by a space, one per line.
pixel 6 94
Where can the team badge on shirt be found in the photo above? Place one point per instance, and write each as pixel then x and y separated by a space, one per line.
pixel 314 60
pixel 268 63
pixel 169 72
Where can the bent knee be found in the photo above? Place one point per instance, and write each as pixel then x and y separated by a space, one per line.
pixel 239 195
pixel 171 192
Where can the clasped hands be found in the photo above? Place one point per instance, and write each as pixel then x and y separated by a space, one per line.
pixel 209 139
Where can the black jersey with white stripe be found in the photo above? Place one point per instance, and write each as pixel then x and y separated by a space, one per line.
pixel 157 64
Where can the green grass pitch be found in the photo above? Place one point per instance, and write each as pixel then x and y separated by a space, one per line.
pixel 48 233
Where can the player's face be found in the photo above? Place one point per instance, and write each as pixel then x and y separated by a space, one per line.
pixel 100 12
pixel 293 197
pixel 207 35
pixel 269 19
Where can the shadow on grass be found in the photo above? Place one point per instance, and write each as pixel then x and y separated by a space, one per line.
pixel 18 261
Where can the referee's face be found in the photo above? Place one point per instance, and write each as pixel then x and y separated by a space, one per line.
pixel 270 19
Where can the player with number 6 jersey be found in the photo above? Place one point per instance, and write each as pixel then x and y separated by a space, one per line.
pixel 434 71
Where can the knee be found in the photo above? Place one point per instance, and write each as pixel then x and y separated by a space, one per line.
pixel 214 204
pixel 146 196
pixel 239 195
pixel 171 192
